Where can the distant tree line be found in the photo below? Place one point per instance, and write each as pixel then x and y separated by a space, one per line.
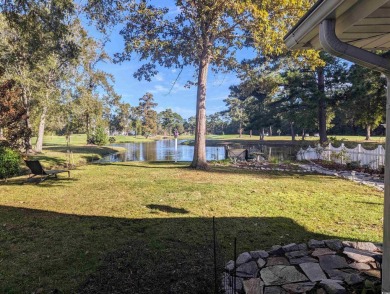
pixel 284 98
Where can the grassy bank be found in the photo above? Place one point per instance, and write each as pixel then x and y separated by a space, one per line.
pixel 215 140
pixel 146 227
pixel 55 151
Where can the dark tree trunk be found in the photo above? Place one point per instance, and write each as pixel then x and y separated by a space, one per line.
pixel 27 138
pixel 292 131
pixel 199 160
pixel 270 130
pixel 87 126
pixel 262 134
pixel 322 105
pixel 303 135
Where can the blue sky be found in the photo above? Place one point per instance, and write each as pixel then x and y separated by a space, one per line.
pixel 180 99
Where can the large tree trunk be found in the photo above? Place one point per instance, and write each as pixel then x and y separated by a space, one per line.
pixel 87 126
pixel 262 135
pixel 240 130
pixel 41 130
pixel 322 105
pixel 199 160
pixel 368 132
pixel 292 131
pixel 27 138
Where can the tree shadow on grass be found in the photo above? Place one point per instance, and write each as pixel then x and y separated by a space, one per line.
pixel 50 251
pixel 50 182
pixel 49 160
pixel 167 208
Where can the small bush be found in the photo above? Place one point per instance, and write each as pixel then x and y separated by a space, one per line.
pixel 111 140
pixel 353 165
pixel 99 138
pixel 9 163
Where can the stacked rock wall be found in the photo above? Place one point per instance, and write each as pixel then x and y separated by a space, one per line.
pixel 329 266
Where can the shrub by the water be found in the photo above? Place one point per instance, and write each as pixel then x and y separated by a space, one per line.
pixel 9 163
pixel 99 138
pixel 111 140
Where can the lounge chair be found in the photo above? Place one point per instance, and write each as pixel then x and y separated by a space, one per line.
pixel 37 170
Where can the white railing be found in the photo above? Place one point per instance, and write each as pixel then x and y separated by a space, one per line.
pixel 375 159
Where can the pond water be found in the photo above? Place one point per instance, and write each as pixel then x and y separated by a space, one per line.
pixel 278 153
pixel 162 150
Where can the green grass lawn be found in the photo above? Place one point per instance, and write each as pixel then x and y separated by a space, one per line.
pixel 245 139
pixel 147 227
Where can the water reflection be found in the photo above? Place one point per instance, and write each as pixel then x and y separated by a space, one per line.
pixel 163 150
pixel 278 153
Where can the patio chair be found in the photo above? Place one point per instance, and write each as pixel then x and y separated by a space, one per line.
pixel 37 170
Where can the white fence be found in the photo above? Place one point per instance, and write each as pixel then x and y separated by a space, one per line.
pixel 374 159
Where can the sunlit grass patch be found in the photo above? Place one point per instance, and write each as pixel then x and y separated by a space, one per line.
pixel 135 224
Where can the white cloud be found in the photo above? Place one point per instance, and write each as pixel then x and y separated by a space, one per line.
pixel 159 89
pixel 159 78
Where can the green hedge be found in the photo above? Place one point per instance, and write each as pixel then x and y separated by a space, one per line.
pixel 9 163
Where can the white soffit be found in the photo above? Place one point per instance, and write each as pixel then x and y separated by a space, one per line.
pixel 362 23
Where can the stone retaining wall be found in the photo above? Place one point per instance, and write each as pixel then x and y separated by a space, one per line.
pixel 329 266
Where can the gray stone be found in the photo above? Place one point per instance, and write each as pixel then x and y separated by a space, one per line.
pixel 322 251
pixel 304 259
pixel 261 262
pixel 353 279
pixel 299 287
pixel 297 254
pixel 336 274
pixel 315 244
pixel 366 246
pixel 230 266
pixel 239 283
pixel 313 271
pixel 289 247
pixel 247 270
pixel 333 287
pixel 281 274
pixel 334 244
pixel 277 261
pixel 350 277
pixel 243 258
pixel 360 266
pixel 259 254
pixel 359 255
pixel 228 289
pixel 276 250
pixel 226 281
pixel 253 286
pixel 274 290
pixel 328 262
pixel 294 247
pixel 320 291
